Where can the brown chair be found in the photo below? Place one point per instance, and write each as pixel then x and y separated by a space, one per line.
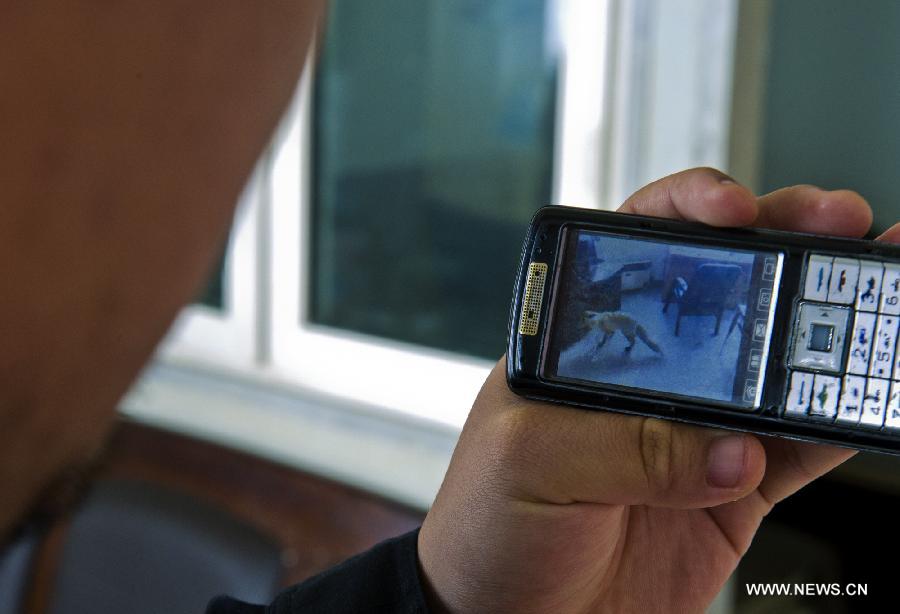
pixel 141 548
pixel 174 514
pixel 16 562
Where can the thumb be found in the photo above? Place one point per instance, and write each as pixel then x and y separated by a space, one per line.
pixel 564 455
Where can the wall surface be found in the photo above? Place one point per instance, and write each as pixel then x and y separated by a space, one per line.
pixel 832 102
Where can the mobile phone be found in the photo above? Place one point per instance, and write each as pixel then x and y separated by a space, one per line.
pixel 764 331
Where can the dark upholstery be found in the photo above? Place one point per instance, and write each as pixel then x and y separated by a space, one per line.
pixel 15 570
pixel 138 548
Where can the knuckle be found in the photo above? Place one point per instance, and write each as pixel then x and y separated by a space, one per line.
pixel 657 451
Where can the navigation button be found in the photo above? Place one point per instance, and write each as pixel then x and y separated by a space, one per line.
pixel 817 324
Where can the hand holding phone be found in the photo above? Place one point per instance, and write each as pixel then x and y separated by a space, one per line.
pixel 772 332
pixel 553 508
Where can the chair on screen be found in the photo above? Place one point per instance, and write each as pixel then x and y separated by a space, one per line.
pixel 706 294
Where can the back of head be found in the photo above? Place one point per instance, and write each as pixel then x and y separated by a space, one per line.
pixel 128 130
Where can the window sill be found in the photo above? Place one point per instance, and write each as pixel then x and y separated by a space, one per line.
pixel 391 454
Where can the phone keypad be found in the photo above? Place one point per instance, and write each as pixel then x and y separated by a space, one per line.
pixel 892 415
pixel 890 290
pixel 868 291
pixel 882 364
pixel 853 389
pixel 874 404
pixel 818 275
pixel 861 343
pixel 844 365
pixel 799 395
pixel 842 287
pixel 823 405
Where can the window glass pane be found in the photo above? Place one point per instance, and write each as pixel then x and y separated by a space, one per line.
pixel 433 132
pixel 213 294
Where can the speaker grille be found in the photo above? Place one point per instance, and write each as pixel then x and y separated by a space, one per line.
pixel 534 296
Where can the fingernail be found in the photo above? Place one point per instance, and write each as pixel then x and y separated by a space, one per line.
pixel 728 181
pixel 725 461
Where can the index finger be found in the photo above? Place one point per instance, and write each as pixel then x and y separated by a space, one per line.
pixel 697 195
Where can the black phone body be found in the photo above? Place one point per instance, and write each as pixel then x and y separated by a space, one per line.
pixel 763 331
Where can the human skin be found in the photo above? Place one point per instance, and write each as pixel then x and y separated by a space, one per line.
pixel 129 129
pixel 547 508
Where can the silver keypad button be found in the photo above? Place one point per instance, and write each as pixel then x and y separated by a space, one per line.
pixel 868 288
pixel 890 290
pixel 874 404
pixel 824 400
pixel 861 343
pixel 850 404
pixel 842 287
pixel 799 394
pixel 892 417
pixel 818 276
pixel 883 347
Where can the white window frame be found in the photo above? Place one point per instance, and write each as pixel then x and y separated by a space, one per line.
pixel 585 49
pixel 670 61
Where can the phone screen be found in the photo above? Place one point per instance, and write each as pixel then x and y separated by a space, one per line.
pixel 683 319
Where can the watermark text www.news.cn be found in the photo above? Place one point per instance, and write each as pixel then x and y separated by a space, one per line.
pixel 808 589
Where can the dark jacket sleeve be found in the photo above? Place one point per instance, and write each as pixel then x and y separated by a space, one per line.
pixel 383 579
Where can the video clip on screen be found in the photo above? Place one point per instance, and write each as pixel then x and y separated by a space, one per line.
pixel 685 320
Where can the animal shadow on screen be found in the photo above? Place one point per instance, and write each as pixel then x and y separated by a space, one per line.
pixel 706 294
